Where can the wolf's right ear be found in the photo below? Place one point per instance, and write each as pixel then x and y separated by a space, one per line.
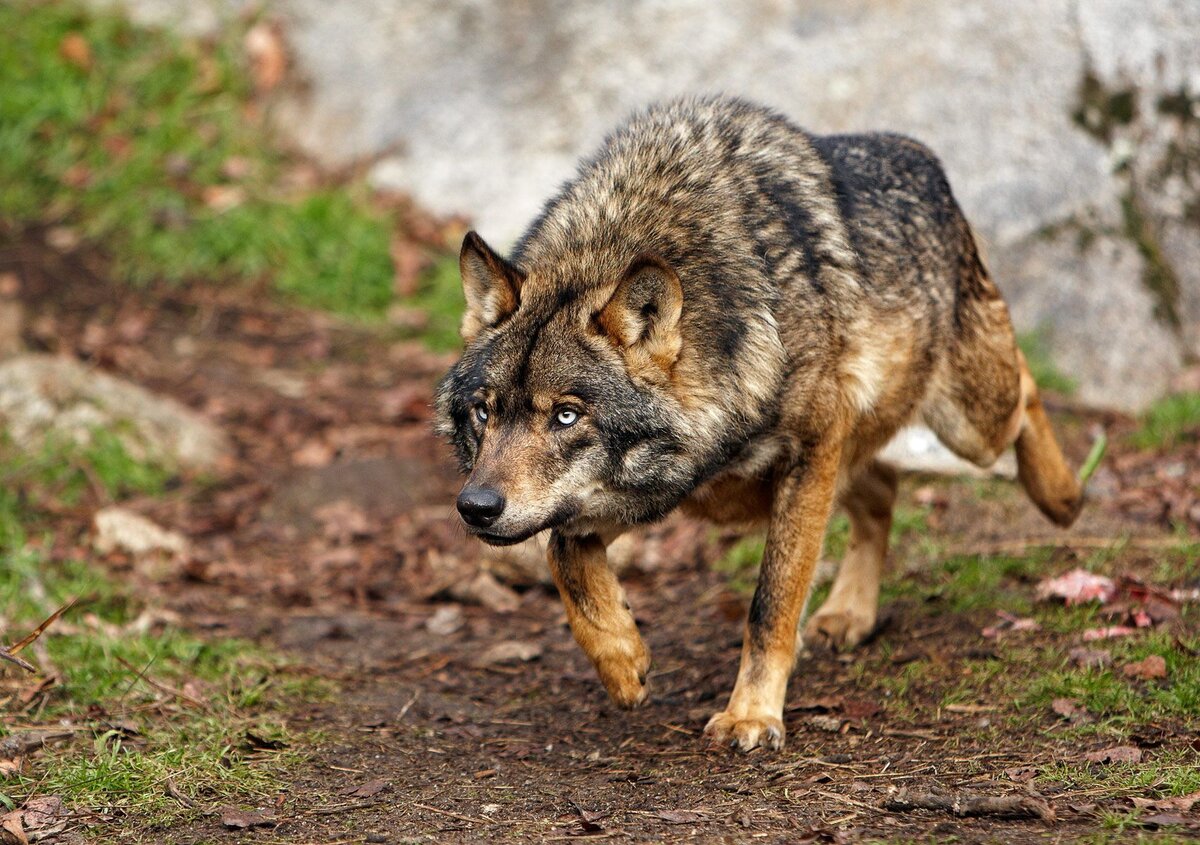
pixel 492 286
pixel 642 317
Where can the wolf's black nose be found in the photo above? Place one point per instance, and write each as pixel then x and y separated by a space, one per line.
pixel 480 506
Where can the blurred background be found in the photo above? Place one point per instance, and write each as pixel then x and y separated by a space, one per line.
pixel 228 283
pixel 1069 128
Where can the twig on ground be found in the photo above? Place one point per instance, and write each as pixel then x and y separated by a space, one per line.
pixel 37 632
pixel 5 654
pixel 1013 806
pixel 458 816
pixel 140 675
pixel 9 653
pixel 404 710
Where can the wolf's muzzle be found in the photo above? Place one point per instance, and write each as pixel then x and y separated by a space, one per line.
pixel 480 506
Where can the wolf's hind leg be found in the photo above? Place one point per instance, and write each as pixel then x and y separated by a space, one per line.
pixel 848 616
pixel 599 616
pixel 984 400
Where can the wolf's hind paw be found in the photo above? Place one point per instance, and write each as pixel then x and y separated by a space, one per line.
pixel 746 734
pixel 838 629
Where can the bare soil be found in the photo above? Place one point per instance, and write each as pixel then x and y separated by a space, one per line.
pixel 332 538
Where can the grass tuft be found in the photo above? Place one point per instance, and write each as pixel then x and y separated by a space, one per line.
pixel 1168 422
pixel 145 702
pixel 150 149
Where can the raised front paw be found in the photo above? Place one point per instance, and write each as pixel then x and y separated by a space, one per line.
pixel 838 629
pixel 745 733
pixel 624 674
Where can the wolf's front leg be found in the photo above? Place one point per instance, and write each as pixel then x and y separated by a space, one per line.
pixel 803 501
pixel 599 616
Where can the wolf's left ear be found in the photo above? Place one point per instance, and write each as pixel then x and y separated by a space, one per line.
pixel 642 317
pixel 491 285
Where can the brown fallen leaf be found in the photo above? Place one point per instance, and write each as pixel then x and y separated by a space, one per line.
pixel 1022 774
pixel 409 261
pixel 825 702
pixel 1180 803
pixel 1151 668
pixel 221 198
pixel 44 816
pixel 1115 754
pixel 76 50
pixel 1157 820
pixel 12 832
pixel 268 56
pixel 1069 709
pixel 484 589
pixel 343 521
pixel 245 819
pixel 680 816
pixel 859 708
pixel 368 789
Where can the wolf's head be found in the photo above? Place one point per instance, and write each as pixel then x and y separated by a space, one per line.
pixel 562 409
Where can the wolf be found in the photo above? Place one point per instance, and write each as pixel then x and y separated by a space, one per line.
pixel 725 314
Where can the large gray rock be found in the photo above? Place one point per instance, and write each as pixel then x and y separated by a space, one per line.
pixel 45 397
pixel 484 108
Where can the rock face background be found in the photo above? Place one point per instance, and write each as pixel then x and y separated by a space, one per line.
pixel 1070 128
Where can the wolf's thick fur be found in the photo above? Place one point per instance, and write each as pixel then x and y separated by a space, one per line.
pixel 725 313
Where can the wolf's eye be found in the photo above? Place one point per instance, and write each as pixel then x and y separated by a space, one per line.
pixel 481 413
pixel 566 417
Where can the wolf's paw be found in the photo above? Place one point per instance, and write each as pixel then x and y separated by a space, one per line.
pixel 746 734
pixel 624 675
pixel 838 629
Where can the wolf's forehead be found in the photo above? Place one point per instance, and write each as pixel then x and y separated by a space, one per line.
pixel 539 356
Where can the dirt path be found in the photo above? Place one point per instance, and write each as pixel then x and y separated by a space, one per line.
pixel 330 540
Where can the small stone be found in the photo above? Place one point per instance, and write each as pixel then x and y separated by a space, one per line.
pixel 509 651
pixel 121 530
pixel 446 620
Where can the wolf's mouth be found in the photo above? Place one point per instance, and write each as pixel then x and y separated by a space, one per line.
pixel 500 539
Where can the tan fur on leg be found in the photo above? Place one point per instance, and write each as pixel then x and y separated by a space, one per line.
pixel 599 616
pixel 848 615
pixel 803 501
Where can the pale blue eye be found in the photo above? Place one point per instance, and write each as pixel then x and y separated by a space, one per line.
pixel 481 413
pixel 566 417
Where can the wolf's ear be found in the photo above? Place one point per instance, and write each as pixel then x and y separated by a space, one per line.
pixel 492 286
pixel 642 317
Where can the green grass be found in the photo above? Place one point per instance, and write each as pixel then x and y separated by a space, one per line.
pixel 131 737
pixel 114 677
pixel 741 561
pixel 1119 703
pixel 440 296
pixel 970 583
pixel 1041 364
pixel 129 151
pixel 1168 421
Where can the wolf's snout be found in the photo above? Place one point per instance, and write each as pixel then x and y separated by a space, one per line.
pixel 480 506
